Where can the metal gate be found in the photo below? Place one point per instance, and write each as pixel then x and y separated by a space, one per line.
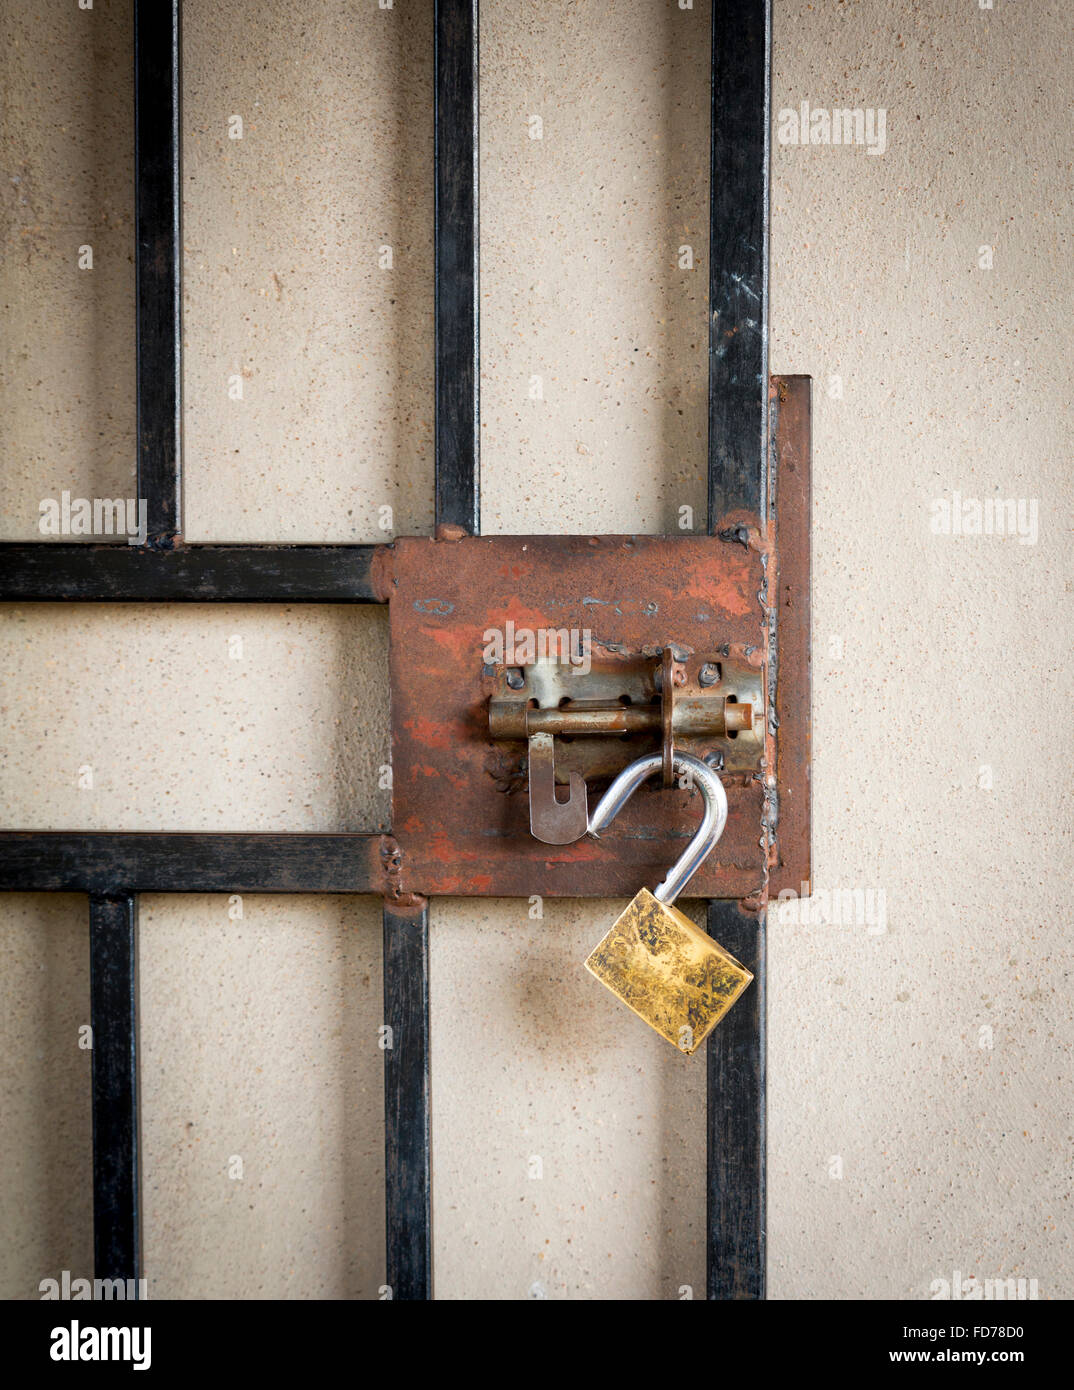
pixel 758 432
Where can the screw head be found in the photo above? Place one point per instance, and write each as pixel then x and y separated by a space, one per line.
pixel 709 674
pixel 515 679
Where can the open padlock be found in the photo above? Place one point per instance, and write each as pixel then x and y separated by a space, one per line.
pixel 658 962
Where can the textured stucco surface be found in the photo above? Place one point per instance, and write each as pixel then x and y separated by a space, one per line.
pixel 195 717
pixel 262 1092
pixel 67 364
pixel 284 288
pixel 568 1139
pixel 955 1155
pixel 920 1076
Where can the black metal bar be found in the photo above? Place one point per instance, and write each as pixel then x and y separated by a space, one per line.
pixel 406 1101
pixel 158 264
pixel 738 256
pixel 47 571
pixel 736 1119
pixel 62 861
pixel 456 233
pixel 406 930
pixel 113 994
pixel 738 482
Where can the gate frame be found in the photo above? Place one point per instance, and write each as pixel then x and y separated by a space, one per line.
pixel 758 430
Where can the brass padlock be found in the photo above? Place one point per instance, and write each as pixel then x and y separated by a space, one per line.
pixel 658 962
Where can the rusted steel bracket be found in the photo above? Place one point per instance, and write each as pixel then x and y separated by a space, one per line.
pixel 789 783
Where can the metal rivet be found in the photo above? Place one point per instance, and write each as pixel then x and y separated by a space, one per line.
pixel 709 674
pixel 515 679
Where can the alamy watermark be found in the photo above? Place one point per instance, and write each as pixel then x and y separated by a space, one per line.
pixel 1007 1290
pixel 988 516
pixel 99 516
pixel 836 907
pixel 78 1289
pixel 524 646
pixel 805 125
pixel 77 1343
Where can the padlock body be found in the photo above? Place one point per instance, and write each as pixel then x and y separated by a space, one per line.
pixel 665 968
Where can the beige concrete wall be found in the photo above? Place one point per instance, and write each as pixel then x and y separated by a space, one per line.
pixel 920 1085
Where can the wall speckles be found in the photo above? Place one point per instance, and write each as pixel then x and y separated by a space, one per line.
pixel 288 295
pixel 216 717
pixel 932 376
pixel 67 365
pixel 263 1097
pixel 46 1152
pixel 568 1139
pixel 594 266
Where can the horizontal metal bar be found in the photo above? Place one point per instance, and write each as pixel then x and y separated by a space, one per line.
pixel 702 714
pixel 106 862
pixel 45 571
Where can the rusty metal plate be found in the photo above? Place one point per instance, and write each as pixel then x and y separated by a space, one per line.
pixel 457 832
pixel 790 433
pixel 460 812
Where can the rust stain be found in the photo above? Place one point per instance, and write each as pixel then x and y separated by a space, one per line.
pixel 430 733
pixel 450 640
pixel 381 573
pixel 790 401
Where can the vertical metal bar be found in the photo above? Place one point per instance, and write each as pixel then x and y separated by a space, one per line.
pixel 738 256
pixel 406 1101
pixel 113 986
pixel 457 333
pixel 736 1119
pixel 158 252
pixel 406 929
pixel 737 482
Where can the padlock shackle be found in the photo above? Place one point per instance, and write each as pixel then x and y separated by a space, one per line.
pixel 707 833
